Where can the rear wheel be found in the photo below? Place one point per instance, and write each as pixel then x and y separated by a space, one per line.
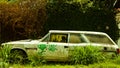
pixel 17 56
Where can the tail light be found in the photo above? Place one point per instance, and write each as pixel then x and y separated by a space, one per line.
pixel 118 51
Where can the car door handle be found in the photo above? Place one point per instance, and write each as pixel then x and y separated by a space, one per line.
pixel 65 46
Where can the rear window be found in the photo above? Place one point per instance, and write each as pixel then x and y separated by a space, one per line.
pixel 93 38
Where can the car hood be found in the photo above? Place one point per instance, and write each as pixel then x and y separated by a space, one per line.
pixel 27 41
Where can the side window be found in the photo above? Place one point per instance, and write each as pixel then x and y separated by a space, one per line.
pixel 57 37
pixel 75 38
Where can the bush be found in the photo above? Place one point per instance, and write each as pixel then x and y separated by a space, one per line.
pixel 87 55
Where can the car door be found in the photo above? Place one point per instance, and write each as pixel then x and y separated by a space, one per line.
pixel 77 40
pixel 56 48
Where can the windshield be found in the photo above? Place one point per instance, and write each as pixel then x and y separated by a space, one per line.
pixel 95 38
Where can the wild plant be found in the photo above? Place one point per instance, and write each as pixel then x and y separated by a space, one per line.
pixel 4 55
pixel 87 55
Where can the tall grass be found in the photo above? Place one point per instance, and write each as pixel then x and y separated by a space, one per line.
pixel 36 59
pixel 87 55
pixel 4 55
pixel 104 65
pixel 116 60
pixel 5 51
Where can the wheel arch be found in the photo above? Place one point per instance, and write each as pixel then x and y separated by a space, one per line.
pixel 19 50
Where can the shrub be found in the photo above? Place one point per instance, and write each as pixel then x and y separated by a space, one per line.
pixel 87 55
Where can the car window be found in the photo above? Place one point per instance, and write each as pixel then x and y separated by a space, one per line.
pixel 58 37
pixel 94 38
pixel 76 38
pixel 46 39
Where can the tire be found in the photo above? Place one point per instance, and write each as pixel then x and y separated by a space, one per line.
pixel 17 57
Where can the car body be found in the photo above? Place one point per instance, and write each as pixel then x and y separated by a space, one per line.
pixel 58 44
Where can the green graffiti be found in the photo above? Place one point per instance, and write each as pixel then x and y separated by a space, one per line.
pixel 52 48
pixel 42 46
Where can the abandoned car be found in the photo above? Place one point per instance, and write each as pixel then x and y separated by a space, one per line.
pixel 58 44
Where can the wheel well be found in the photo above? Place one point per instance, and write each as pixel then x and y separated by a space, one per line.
pixel 25 54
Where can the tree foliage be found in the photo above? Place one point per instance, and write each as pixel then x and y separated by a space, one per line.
pixel 87 15
pixel 22 19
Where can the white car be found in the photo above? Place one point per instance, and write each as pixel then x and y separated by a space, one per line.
pixel 58 44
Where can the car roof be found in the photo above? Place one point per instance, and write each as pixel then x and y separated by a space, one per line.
pixel 69 31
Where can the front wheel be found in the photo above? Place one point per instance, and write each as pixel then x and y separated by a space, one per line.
pixel 17 56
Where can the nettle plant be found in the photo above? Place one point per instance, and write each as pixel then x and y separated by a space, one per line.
pixel 87 55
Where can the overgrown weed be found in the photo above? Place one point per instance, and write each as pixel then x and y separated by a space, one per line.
pixel 87 55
